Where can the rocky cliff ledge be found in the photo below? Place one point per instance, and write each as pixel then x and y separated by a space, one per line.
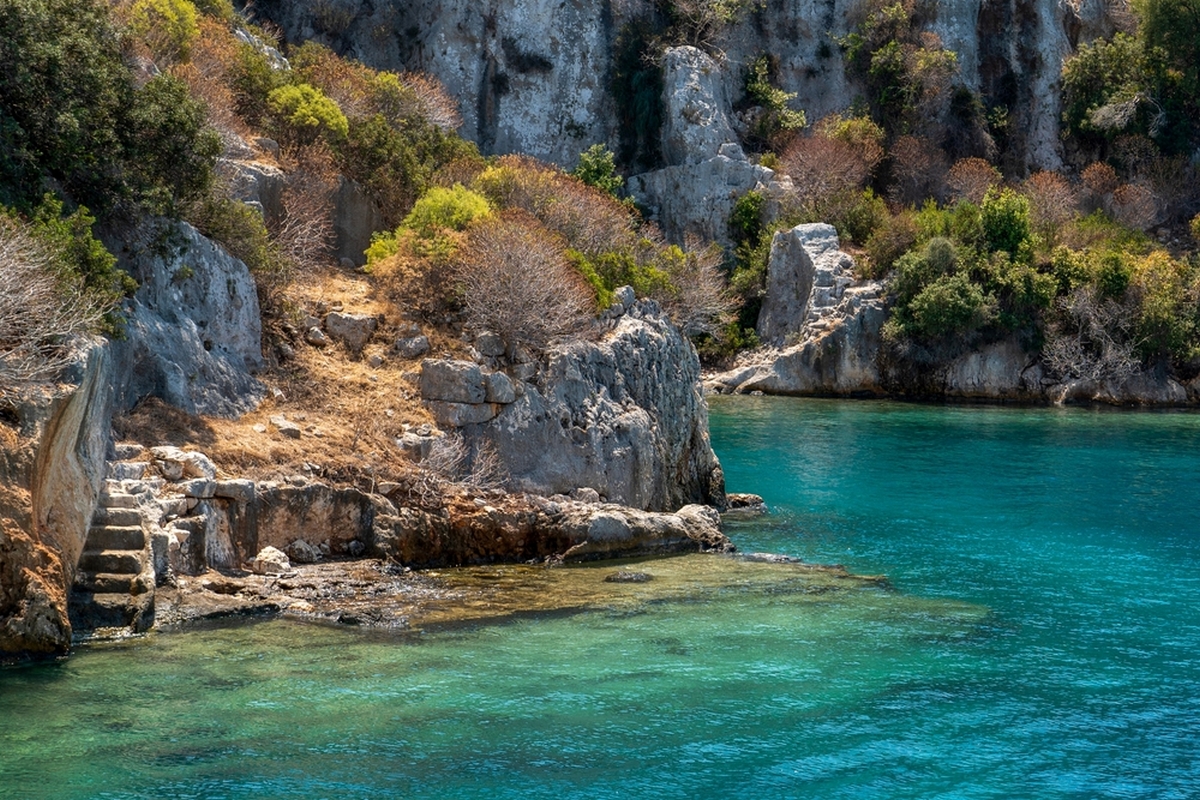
pixel 823 329
pixel 623 417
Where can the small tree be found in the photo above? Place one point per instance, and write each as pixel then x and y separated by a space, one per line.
pixel 597 168
pixel 516 281
pixel 971 178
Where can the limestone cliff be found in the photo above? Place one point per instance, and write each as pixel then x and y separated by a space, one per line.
pixel 51 470
pixel 823 331
pixel 533 77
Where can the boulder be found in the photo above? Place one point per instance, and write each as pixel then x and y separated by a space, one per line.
pixel 823 325
pixel 270 561
pixel 301 552
pixel 452 381
pixel 412 346
pixel 500 388
pixel 355 219
pixel 695 106
pixel 352 330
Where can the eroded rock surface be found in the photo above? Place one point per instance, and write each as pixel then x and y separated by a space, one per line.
pixel 624 416
pixel 194 334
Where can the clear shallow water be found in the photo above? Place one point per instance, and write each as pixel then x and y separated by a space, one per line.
pixel 1042 642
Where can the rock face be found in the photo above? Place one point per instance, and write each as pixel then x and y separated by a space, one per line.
pixel 51 471
pixel 193 336
pixel 706 171
pixel 823 326
pixel 531 77
pixel 623 416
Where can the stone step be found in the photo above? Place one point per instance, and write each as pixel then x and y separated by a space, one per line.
pixel 127 470
pixel 114 497
pixel 110 583
pixel 116 537
pixel 121 517
pixel 92 610
pixel 121 562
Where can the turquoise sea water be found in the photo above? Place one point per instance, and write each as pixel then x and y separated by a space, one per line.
pixel 1042 641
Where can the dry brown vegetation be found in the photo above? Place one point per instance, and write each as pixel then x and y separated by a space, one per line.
pixel 516 282
pixel 39 311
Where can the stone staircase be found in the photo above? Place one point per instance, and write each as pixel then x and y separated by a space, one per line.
pixel 113 593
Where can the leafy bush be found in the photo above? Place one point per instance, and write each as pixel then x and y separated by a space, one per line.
pixel 1006 223
pixel 951 304
pixel 168 26
pixel 454 209
pixel 777 120
pixel 303 113
pixel 597 168
pixel 71 115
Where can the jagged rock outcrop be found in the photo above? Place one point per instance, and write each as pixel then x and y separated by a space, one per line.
pixel 623 416
pixel 706 171
pixel 52 450
pixel 823 326
pixel 532 77
pixel 193 332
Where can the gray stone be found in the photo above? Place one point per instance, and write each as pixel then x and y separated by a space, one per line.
pixel 285 427
pixel 625 296
pixel 500 388
pixel 270 561
pixel 375 361
pixel 200 488
pixel 695 103
pixel 355 548
pixel 352 330
pixel 624 416
pixel 355 219
pixel 238 490
pixel 453 381
pixel 412 346
pixel 301 552
pixel 316 337
pixel 456 415
pixel 254 182
pixel 490 344
pixel 191 464
pixel 197 343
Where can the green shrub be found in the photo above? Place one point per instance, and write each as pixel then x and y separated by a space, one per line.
pixel 70 115
pixel 746 220
pixel 171 150
pixel 241 231
pixel 777 117
pixel 1112 275
pixel 888 243
pixel 440 209
pixel 304 113
pixel 81 259
pixel 252 79
pixel 597 168
pixel 168 26
pixel 397 164
pixel 862 217
pixel 951 304
pixel 1006 223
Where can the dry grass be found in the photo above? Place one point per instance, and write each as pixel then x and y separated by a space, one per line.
pixel 349 412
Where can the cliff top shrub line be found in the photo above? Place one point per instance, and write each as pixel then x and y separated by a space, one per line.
pixel 588 244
